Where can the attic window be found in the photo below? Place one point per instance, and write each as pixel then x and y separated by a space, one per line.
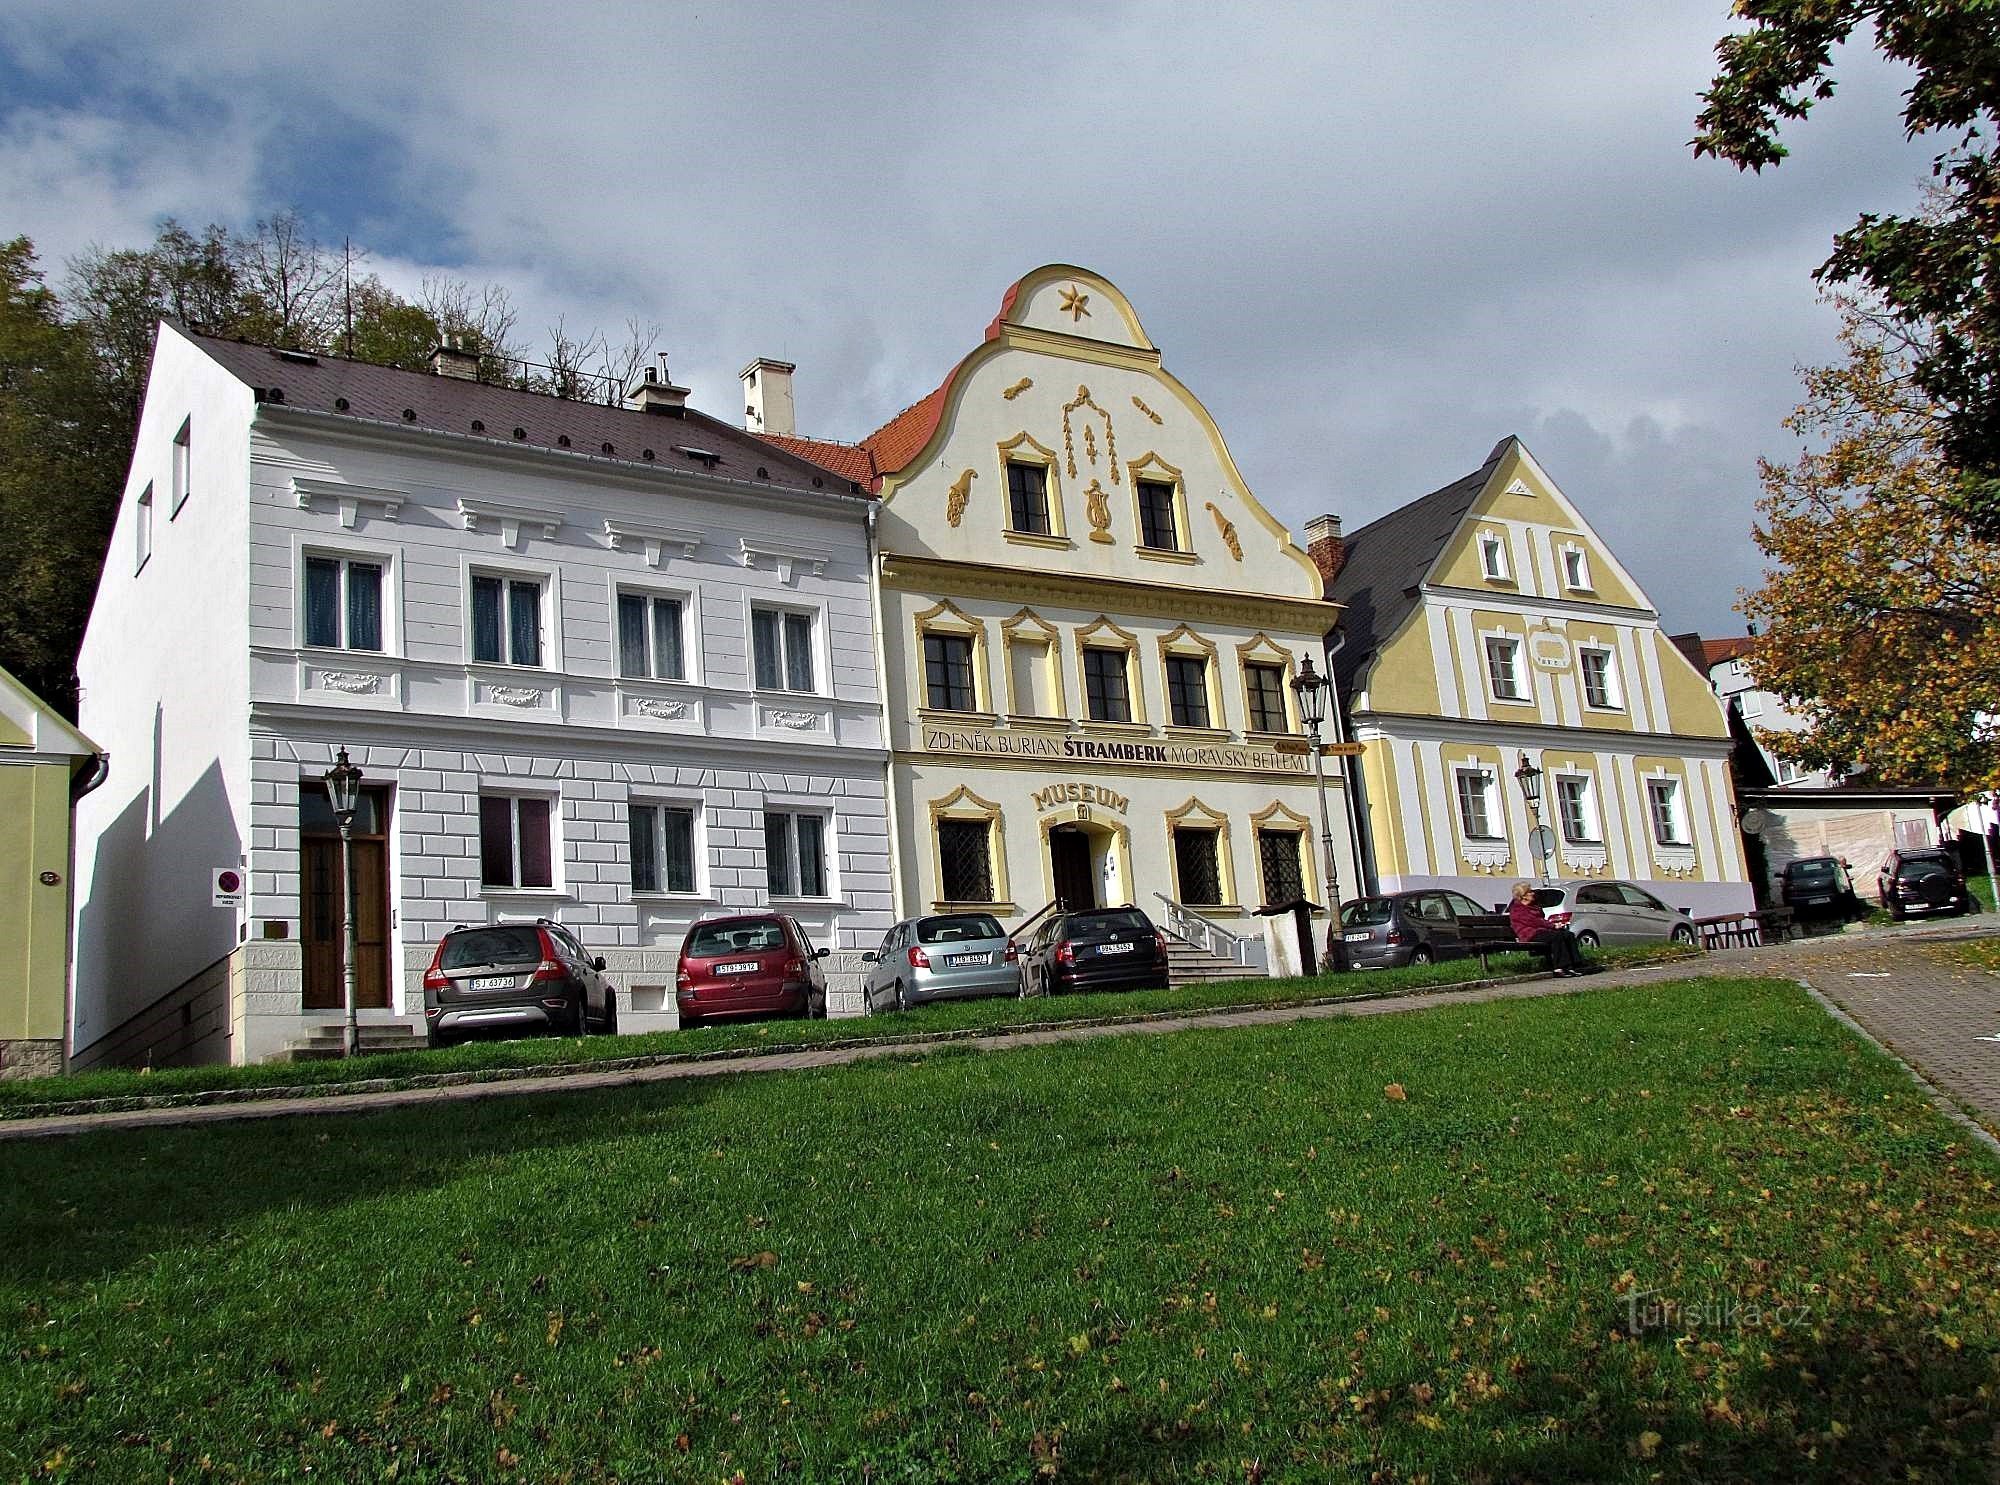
pixel 302 358
pixel 520 433
pixel 562 440
pixel 608 448
pixel 409 415
pixel 1493 556
pixel 763 473
pixel 478 425
pixel 646 454
pixel 700 456
pixel 1576 568
pixel 340 404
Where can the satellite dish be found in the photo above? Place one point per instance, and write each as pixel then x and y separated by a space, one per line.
pixel 1757 821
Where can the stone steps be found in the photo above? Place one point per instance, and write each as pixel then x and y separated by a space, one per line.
pixel 325 1043
pixel 1188 965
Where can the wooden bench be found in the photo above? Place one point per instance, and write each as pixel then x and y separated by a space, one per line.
pixel 1493 933
pixel 1746 930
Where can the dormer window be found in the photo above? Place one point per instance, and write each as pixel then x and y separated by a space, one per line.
pixel 1493 556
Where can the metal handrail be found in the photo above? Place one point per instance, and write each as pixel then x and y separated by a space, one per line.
pixel 1054 904
pixel 1190 927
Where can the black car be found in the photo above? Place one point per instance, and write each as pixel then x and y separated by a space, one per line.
pixel 1818 887
pixel 1103 949
pixel 515 977
pixel 1406 928
pixel 1927 880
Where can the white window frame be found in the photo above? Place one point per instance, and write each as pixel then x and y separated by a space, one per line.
pixel 829 850
pixel 1669 792
pixel 142 529
pixel 691 629
pixel 514 793
pixel 1590 824
pixel 384 558
pixel 821 660
pixel 1614 694
pixel 1515 648
pixel 697 845
pixel 547 575
pixel 1494 561
pixel 183 465
pixel 1482 778
pixel 1572 556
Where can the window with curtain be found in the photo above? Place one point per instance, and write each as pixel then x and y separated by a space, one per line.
pixel 649 636
pixel 1599 687
pixel 781 642
pixel 794 853
pixel 506 620
pixel 514 841
pixel 343 603
pixel 1475 803
pixel 1503 668
pixel 1663 797
pixel 662 847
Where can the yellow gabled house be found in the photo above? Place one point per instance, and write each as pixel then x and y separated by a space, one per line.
pixel 1487 630
pixel 45 765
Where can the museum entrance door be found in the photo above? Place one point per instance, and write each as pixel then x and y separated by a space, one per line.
pixel 1071 868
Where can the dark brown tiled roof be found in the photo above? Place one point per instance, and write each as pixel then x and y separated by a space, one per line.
pixel 691 442
pixel 1386 561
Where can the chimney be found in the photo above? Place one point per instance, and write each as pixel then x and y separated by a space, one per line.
pixel 451 358
pixel 653 391
pixel 767 397
pixel 1326 546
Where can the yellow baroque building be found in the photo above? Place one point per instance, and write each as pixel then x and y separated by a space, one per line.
pixel 1089 630
pixel 1486 627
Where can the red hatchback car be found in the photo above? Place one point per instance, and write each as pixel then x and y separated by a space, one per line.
pixel 759 964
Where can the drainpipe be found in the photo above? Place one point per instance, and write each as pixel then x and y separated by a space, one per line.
pixel 94 773
pixel 882 693
pixel 1350 783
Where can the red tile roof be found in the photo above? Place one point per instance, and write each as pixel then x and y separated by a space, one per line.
pixel 848 460
pixel 1715 651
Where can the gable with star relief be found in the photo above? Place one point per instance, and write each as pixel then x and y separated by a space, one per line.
pixel 1079 304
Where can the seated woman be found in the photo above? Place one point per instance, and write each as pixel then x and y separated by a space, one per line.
pixel 1531 926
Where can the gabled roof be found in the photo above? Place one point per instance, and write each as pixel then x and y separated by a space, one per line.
pixel 1704 654
pixel 851 461
pixel 1381 579
pixel 687 442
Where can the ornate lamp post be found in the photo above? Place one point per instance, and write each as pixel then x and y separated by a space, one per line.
pixel 1311 689
pixel 1529 778
pixel 343 787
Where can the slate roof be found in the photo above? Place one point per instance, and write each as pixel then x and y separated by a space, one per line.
pixel 1387 559
pixel 687 442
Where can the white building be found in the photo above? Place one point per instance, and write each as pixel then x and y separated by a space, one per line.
pixel 613 666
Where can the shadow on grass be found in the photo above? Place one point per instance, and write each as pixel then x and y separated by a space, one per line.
pixel 70 1214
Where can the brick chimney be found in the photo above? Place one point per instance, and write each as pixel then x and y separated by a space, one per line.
pixel 767 397
pixel 653 391
pixel 452 358
pixel 1326 546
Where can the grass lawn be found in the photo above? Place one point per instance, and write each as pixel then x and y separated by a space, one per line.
pixel 1980 953
pixel 25 1096
pixel 1684 1232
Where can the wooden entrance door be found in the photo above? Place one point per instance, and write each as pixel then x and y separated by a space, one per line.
pixel 1070 866
pixel 321 928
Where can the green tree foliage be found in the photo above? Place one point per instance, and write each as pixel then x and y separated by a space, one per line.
pixel 1937 273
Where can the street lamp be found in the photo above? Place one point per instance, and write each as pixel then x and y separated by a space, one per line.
pixel 343 787
pixel 1529 778
pixel 1311 689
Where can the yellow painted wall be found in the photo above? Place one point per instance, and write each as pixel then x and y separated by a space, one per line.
pixel 1385 815
pixel 1405 676
pixel 1459 565
pixel 13 734
pixel 1692 708
pixel 34 936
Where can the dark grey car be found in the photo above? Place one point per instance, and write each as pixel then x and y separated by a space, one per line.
pixel 947 956
pixel 515 977
pixel 1406 928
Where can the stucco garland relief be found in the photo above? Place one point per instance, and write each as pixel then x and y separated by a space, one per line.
pixel 660 709
pixel 1010 393
pixel 960 492
pixel 1084 399
pixel 350 682
pixel 1228 529
pixel 796 721
pixel 1157 419
pixel 1097 508
pixel 516 695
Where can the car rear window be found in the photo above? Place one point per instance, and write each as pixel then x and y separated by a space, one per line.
pixel 955 927
pixel 1810 871
pixel 1087 924
pixel 1917 871
pixel 492 946
pixel 1548 897
pixel 1368 912
pixel 710 940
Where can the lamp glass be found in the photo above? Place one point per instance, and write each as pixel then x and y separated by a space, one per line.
pixel 1529 778
pixel 1310 688
pixel 343 785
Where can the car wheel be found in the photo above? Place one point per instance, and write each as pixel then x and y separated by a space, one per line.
pixel 1419 955
pixel 611 1013
pixel 1586 940
pixel 437 1041
pixel 1896 914
pixel 902 997
pixel 1684 934
pixel 580 1021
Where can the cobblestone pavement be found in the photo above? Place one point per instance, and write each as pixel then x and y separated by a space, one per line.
pixel 1921 1006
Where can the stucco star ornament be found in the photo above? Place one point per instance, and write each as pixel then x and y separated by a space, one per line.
pixel 1075 303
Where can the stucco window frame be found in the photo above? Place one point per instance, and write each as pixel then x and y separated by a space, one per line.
pixel 782 603
pixel 1614 683
pixel 1523 678
pixel 1582 583
pixel 1277 815
pixel 1022 448
pixel 963 805
pixel 692 628
pixel 1675 852
pixel 669 800
pixel 1025 628
pixel 1261 649
pixel 1150 468
pixel 549 575
pixel 1186 644
pixel 1102 634
pixel 1193 814
pixel 358 549
pixel 946 618
pixel 1491 543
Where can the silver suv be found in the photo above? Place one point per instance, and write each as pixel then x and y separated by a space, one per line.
pixel 514 977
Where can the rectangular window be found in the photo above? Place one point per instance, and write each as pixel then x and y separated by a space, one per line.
pixel 948 673
pixel 794 854
pixel 506 620
pixel 343 603
pixel 1105 692
pixel 1187 690
pixel 662 848
pixel 1577 811
pixel 514 841
pixel 782 646
pixel 1576 569
pixel 182 452
pixel 1475 804
pixel 1493 555
pixel 1266 685
pixel 142 529
pixel 1028 498
pixel 1598 687
pixel 1156 517
pixel 1278 858
pixel 1503 668
pixel 649 636
pixel 1198 867
pixel 1029 665
pixel 1663 799
pixel 965 860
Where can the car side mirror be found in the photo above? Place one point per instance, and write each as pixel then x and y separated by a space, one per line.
pixel 871 957
pixel 597 963
pixel 821 953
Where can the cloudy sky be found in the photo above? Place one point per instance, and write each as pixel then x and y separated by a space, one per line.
pixel 1372 238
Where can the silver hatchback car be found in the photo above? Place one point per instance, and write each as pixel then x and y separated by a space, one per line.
pixel 942 957
pixel 1600 912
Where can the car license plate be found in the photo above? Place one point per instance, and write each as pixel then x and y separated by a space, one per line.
pixel 1814 901
pixel 747 966
pixel 968 959
pixel 494 982
pixel 1356 938
pixel 1116 948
